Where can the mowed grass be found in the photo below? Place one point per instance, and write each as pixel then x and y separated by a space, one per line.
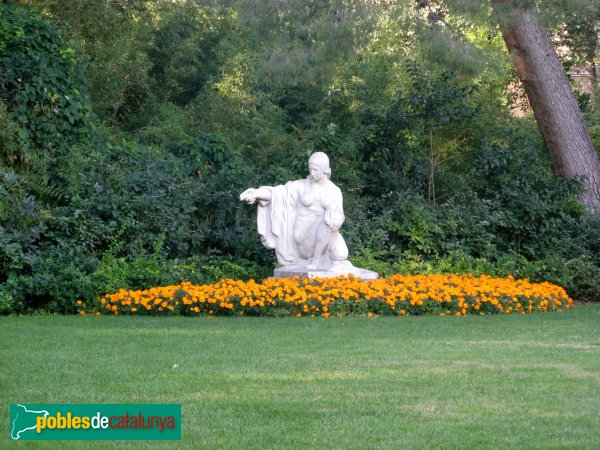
pixel 409 382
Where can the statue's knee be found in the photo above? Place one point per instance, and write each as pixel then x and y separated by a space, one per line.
pixel 338 250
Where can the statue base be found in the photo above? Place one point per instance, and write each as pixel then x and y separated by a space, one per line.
pixel 337 270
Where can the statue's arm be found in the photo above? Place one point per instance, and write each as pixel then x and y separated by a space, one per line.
pixel 262 193
pixel 334 214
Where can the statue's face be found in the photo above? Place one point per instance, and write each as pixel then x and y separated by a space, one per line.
pixel 316 173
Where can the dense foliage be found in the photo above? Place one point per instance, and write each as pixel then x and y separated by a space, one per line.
pixel 128 130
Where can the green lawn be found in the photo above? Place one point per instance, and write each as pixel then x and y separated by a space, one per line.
pixel 414 382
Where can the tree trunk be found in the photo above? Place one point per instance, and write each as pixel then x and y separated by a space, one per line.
pixel 556 110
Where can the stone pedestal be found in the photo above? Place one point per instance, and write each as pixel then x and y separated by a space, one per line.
pixel 302 271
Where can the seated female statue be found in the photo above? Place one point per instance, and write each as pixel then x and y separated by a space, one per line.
pixel 301 219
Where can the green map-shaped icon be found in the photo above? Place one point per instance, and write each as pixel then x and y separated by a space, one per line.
pixel 23 419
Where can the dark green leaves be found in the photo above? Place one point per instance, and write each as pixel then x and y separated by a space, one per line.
pixel 41 81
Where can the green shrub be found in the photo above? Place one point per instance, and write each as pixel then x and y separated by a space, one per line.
pixel 8 303
pixel 147 271
pixel 121 187
pixel 42 80
pixel 580 277
pixel 56 278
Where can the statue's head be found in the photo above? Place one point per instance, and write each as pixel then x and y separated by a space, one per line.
pixel 320 160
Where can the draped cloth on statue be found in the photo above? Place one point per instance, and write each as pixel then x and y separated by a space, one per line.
pixel 276 221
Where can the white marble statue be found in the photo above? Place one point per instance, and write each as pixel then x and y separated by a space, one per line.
pixel 301 221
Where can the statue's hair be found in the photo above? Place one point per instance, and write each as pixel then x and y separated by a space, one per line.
pixel 321 160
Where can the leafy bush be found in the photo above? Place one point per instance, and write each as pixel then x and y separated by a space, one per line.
pixel 129 190
pixel 579 276
pixel 188 48
pixel 55 279
pixel 146 271
pixel 8 302
pixel 41 81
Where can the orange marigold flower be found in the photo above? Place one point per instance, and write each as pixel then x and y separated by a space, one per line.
pixel 459 293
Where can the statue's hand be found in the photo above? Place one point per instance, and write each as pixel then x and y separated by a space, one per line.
pixel 334 219
pixel 248 196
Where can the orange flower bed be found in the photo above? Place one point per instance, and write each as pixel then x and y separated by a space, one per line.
pixel 456 295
